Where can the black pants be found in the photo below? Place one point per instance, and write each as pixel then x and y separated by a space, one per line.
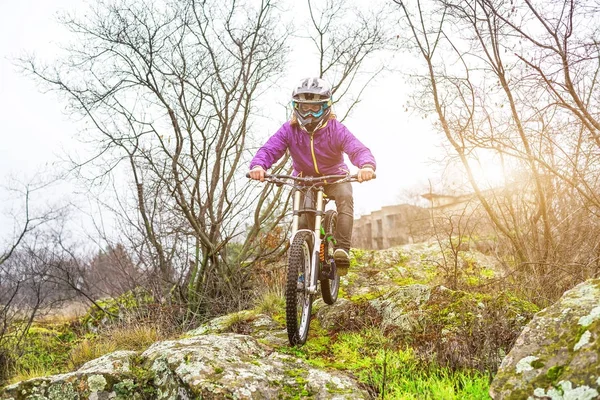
pixel 344 203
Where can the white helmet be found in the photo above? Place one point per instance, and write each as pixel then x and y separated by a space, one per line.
pixel 311 100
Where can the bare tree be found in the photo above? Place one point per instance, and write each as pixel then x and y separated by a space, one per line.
pixel 28 284
pixel 345 39
pixel 169 89
pixel 502 85
pixel 27 218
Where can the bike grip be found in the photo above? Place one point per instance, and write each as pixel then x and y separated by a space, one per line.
pixel 355 176
pixel 248 175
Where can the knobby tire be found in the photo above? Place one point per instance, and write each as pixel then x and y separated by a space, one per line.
pixel 297 299
pixel 330 287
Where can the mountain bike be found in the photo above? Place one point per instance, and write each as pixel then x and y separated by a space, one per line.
pixel 311 265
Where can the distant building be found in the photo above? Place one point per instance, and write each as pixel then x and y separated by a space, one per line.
pixel 391 226
pixel 404 224
pixel 449 214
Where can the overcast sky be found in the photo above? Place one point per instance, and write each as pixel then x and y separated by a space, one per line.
pixel 35 129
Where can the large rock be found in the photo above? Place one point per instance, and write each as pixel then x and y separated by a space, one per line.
pixel 237 366
pixel 386 309
pixel 557 356
pixel 393 306
pixel 209 366
pixel 246 322
pixel 97 379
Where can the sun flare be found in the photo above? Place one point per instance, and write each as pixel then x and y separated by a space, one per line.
pixel 490 172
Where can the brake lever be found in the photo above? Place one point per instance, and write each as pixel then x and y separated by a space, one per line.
pixel 275 181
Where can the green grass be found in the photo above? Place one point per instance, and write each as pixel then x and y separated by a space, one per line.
pixel 397 374
pixel 391 372
pixel 55 348
pixel 400 382
pixel 270 303
pixel 44 351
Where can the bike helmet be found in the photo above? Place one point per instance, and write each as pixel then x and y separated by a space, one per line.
pixel 311 100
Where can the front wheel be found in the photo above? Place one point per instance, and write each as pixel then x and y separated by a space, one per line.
pixel 298 301
pixel 330 285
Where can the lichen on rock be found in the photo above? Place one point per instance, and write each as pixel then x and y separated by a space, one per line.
pixel 562 342
pixel 524 364
pixel 96 383
pixel 240 367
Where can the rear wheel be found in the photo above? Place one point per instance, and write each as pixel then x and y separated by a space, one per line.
pixel 298 301
pixel 330 285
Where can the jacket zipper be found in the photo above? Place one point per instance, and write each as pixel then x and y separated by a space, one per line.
pixel 312 150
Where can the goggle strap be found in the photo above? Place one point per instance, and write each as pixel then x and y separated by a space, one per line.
pixel 327 103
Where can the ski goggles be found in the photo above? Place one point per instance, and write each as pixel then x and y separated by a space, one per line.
pixel 314 109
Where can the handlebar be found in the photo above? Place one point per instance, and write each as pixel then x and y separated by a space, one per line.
pixel 311 179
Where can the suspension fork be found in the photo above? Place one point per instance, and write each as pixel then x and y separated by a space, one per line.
pixel 296 216
pixel 315 261
pixel 316 231
pixel 318 216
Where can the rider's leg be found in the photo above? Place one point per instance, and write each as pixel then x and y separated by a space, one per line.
pixel 344 203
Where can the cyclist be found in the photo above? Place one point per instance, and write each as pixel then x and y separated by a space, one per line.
pixel 317 143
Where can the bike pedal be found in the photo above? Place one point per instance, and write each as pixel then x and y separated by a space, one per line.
pixel 343 270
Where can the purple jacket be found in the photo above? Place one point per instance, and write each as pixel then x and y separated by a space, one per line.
pixel 319 154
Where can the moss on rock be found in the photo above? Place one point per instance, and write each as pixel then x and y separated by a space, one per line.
pixel 565 337
pixel 470 330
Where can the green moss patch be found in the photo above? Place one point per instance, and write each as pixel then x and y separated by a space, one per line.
pixel 43 351
pixel 471 330
pixel 112 308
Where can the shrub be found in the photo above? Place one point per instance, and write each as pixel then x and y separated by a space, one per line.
pixel 113 309
pixel 7 363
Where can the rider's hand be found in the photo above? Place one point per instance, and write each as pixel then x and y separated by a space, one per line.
pixel 257 173
pixel 366 173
